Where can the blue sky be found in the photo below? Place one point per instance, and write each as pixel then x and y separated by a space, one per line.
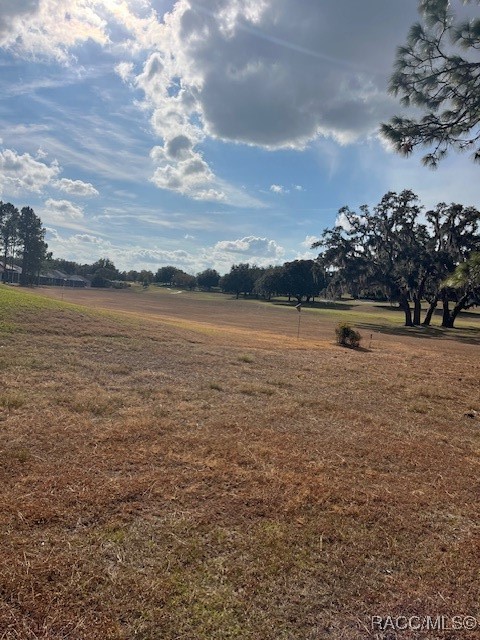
pixel 203 134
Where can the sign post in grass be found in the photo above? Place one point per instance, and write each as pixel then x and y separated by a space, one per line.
pixel 298 307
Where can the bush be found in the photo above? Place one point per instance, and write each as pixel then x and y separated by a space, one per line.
pixel 346 336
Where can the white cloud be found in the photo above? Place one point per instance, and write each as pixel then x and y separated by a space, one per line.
pixel 270 73
pixel 23 172
pixel 61 211
pixel 183 170
pixel 251 246
pixel 11 15
pixel 81 247
pixel 51 28
pixel 159 256
pixel 309 240
pixel 276 73
pixel 278 188
pixel 87 247
pixel 76 187
pixel 180 166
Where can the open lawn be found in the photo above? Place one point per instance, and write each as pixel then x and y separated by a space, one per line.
pixel 180 466
pixel 278 318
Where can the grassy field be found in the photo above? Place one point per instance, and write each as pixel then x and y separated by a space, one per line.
pixel 176 466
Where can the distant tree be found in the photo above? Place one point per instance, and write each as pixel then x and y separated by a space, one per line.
pixel 102 273
pixel 84 270
pixel 272 282
pixel 109 270
pixel 241 279
pixel 132 276
pixel 146 276
pixel 66 266
pixel 438 71
pixel 33 247
pixel 185 280
pixel 300 279
pixel 165 275
pixel 208 279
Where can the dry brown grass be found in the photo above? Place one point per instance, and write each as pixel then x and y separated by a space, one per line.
pixel 161 480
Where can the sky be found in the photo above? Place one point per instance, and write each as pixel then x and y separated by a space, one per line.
pixel 203 134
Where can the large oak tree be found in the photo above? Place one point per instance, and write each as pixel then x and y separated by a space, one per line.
pixel 396 251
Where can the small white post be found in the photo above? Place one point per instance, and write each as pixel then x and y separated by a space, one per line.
pixel 298 307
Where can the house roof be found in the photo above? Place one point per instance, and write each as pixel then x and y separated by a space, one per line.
pixel 55 274
pixel 76 278
pixel 15 268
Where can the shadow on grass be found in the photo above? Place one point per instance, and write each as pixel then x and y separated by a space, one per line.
pixel 283 302
pixel 323 304
pixel 348 348
pixel 437 313
pixel 468 335
pixel 388 307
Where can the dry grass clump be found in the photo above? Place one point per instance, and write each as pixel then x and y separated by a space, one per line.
pixel 245 357
pixel 255 389
pixel 12 399
pixel 143 496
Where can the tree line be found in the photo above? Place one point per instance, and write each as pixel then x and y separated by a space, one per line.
pixel 299 279
pixel 395 251
pixel 103 273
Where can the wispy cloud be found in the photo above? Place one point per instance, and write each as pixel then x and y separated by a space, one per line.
pixel 108 147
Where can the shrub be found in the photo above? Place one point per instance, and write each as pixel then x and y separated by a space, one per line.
pixel 346 336
pixel 246 358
